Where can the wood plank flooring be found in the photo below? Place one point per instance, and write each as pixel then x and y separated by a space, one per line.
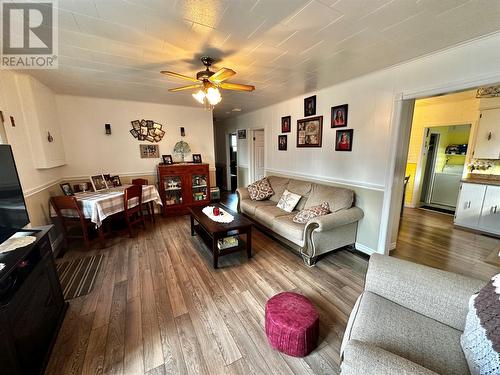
pixel 158 307
pixel 429 238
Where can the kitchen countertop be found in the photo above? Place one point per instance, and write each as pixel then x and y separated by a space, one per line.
pixel 482 181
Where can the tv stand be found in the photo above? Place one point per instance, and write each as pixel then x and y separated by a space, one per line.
pixel 32 306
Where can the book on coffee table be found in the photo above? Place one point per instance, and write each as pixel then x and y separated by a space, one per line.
pixel 227 242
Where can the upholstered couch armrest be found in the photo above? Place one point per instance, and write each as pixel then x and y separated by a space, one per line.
pixel 363 358
pixel 242 193
pixel 336 219
pixel 437 294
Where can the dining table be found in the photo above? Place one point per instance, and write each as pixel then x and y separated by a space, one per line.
pixel 98 205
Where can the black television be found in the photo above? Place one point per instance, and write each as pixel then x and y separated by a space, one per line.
pixel 13 212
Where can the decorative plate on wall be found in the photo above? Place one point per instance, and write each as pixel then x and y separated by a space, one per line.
pixel 147 130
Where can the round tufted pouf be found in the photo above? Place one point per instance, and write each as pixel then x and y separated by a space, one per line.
pixel 292 324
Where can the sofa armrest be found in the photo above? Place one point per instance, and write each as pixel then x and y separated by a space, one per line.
pixel 363 358
pixel 437 294
pixel 336 219
pixel 242 193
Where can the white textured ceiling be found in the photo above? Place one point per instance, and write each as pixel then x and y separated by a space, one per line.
pixel 116 48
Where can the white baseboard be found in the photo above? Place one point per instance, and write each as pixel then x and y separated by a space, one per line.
pixel 365 249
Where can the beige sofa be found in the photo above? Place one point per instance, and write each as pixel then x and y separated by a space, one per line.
pixel 408 320
pixel 320 235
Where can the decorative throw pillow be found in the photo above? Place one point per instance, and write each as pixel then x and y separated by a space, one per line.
pixel 260 190
pixel 288 201
pixel 305 215
pixel 481 338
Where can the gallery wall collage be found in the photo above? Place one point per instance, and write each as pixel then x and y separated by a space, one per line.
pixel 310 128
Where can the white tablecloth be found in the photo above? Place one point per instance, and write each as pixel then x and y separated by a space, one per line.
pixel 98 205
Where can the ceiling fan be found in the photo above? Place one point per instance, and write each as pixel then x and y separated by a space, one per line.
pixel 208 83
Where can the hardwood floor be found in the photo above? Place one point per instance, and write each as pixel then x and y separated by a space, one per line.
pixel 429 238
pixel 158 307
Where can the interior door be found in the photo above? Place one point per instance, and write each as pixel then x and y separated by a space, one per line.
pixel 258 152
pixel 490 214
pixel 470 205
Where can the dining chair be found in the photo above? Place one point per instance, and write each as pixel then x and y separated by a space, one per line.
pixel 149 205
pixel 133 215
pixel 70 203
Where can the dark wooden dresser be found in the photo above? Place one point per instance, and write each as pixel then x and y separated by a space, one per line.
pixel 32 306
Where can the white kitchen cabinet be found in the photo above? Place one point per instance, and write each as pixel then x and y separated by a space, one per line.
pixel 470 204
pixel 488 135
pixel 490 214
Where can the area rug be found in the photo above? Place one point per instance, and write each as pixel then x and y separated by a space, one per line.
pixel 494 258
pixel 77 276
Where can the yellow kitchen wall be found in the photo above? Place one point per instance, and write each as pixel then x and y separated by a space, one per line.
pixel 454 109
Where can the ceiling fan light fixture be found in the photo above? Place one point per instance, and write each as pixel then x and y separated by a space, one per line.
pixel 213 95
pixel 200 96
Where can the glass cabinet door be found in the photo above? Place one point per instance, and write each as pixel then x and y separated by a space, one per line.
pixel 199 187
pixel 172 186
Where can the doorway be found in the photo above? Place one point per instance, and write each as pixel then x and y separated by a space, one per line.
pixel 233 162
pixel 258 170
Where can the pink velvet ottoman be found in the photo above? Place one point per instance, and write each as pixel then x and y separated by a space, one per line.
pixel 292 324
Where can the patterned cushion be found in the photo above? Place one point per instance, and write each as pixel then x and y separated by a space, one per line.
pixel 260 190
pixel 288 201
pixel 307 214
pixel 481 338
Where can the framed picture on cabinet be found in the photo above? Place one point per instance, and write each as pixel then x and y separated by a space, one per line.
pixel 339 116
pixel 167 159
pixel 282 142
pixel 310 132
pixel 197 158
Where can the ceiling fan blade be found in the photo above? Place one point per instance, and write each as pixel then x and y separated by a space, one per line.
pixel 185 88
pixel 221 75
pixel 177 75
pixel 236 87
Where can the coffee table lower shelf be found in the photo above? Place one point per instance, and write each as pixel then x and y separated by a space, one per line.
pixel 210 240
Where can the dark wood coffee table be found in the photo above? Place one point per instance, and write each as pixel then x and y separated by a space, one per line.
pixel 211 231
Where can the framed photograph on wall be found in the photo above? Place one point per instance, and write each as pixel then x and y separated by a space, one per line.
pixel 98 182
pixel 310 106
pixel 242 134
pixel 343 140
pixel 310 132
pixel 149 151
pixel 339 116
pixel 67 189
pixel 282 142
pixel 286 124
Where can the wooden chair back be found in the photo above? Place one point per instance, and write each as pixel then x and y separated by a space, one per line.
pixel 134 191
pixel 64 202
pixel 140 181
